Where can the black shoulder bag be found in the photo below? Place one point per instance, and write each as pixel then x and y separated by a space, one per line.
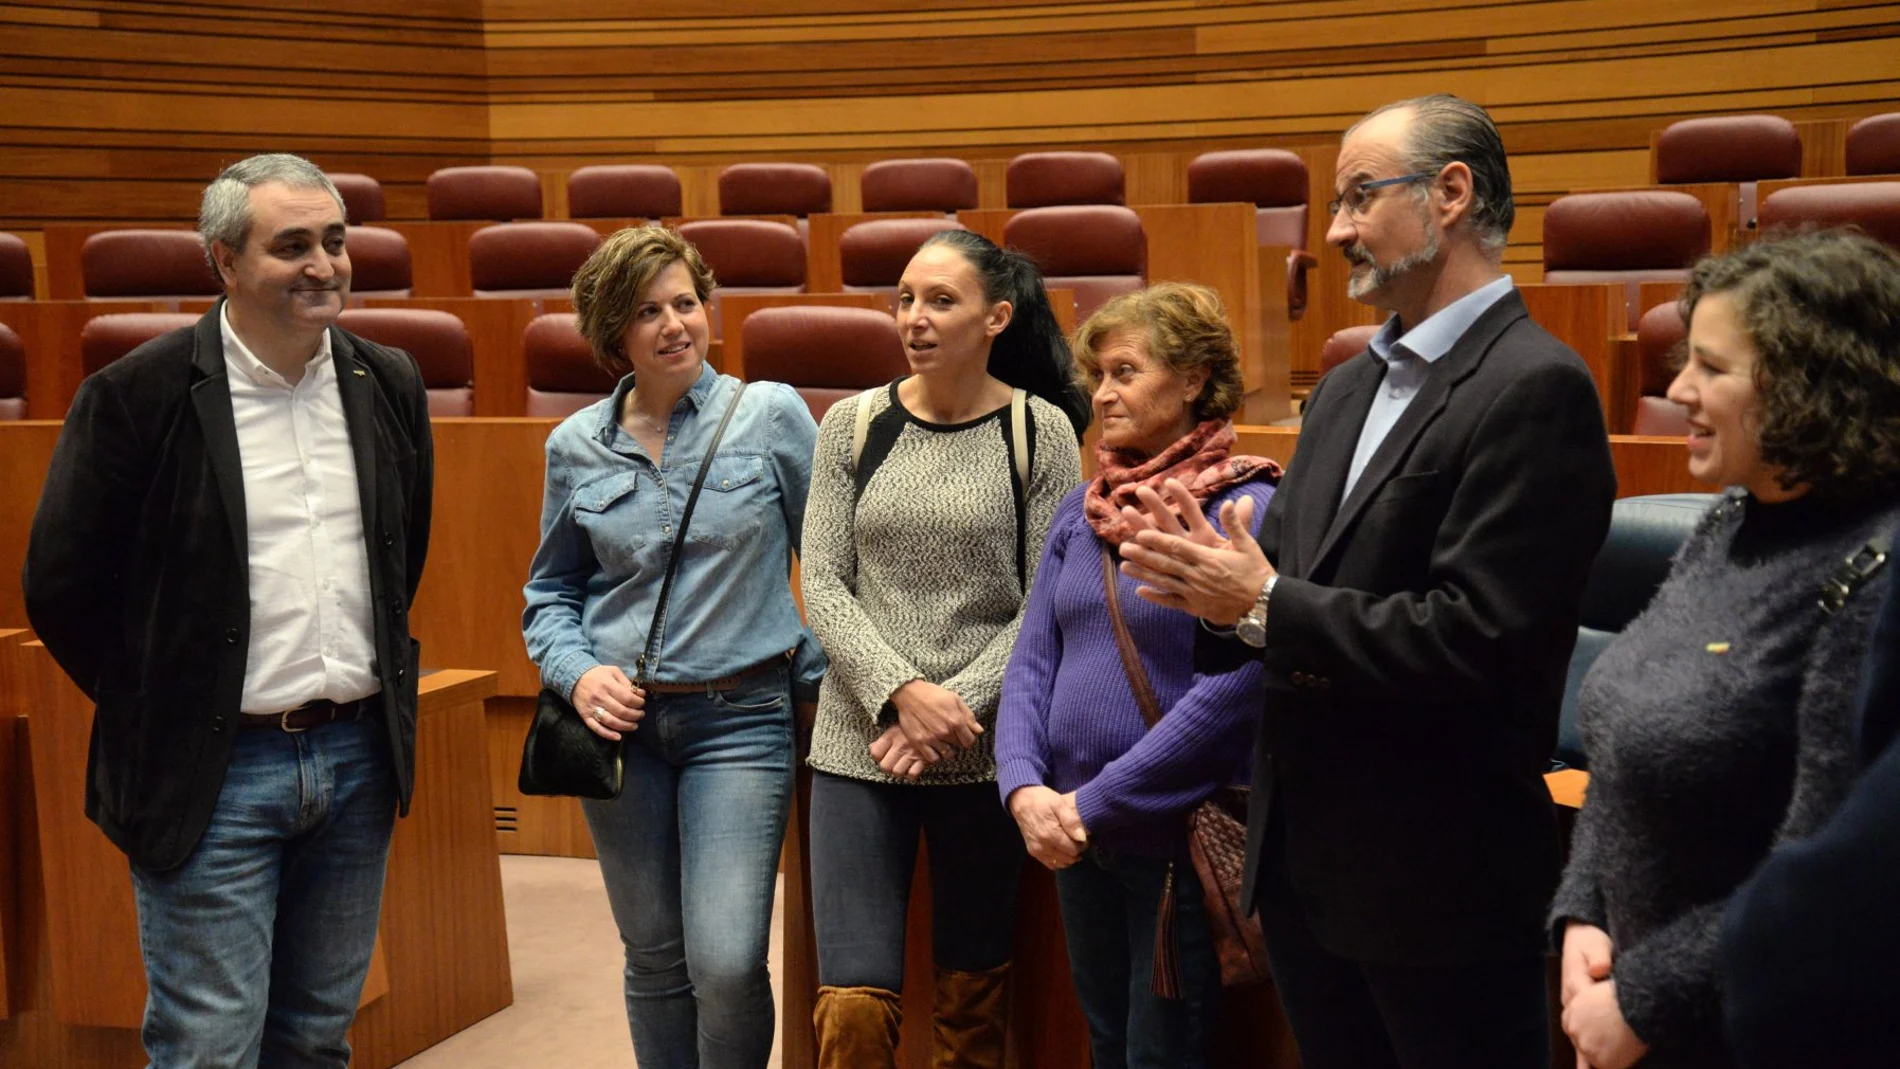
pixel 562 755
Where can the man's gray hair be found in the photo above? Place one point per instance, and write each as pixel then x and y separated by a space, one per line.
pixel 224 213
pixel 1447 129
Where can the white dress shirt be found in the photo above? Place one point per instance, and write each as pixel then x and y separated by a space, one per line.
pixel 1408 360
pixel 311 630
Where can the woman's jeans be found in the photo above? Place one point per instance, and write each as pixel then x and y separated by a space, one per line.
pixel 1109 904
pixel 690 854
pixel 863 853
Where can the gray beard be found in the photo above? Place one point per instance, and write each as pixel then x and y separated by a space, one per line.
pixel 1378 276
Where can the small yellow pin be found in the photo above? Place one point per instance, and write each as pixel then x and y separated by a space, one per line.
pixel 1717 647
pixel 359 372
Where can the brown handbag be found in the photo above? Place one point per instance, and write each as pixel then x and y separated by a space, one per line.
pixel 1217 845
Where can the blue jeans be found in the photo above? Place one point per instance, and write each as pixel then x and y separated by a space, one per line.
pixel 689 852
pixel 863 854
pixel 257 946
pixel 1109 904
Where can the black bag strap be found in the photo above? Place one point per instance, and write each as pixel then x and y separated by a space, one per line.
pixel 649 660
pixel 1854 571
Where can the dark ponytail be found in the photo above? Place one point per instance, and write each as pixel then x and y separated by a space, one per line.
pixel 1030 354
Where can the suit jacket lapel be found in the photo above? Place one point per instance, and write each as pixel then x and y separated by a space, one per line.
pixel 1328 447
pixel 358 391
pixel 211 398
pixel 1433 395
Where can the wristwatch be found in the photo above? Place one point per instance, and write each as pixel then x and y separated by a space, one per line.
pixel 1252 628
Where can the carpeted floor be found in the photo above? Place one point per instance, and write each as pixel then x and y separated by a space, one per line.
pixel 567 971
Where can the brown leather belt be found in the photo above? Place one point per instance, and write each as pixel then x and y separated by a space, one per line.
pixel 314 714
pixel 770 664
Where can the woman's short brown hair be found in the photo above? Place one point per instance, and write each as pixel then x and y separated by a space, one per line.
pixel 608 286
pixel 1823 310
pixel 1186 326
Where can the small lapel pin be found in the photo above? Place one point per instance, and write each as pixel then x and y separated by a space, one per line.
pixel 358 372
pixel 1717 647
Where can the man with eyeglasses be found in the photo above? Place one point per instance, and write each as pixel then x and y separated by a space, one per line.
pixel 1415 594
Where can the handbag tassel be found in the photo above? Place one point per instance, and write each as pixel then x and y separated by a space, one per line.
pixel 1166 981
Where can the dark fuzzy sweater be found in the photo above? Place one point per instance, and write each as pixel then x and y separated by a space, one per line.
pixel 1719 723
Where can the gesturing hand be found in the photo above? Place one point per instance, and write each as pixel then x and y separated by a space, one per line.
pixel 608 702
pixel 934 719
pixel 1189 566
pixel 896 756
pixel 1035 809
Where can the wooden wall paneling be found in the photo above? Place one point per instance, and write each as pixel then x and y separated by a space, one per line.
pixel 1647 465
pixel 495 327
pixel 823 273
pixel 438 256
pixel 1626 360
pixel 442 923
pixel 1585 317
pixel 50 332
pixel 523 823
pixel 1651 294
pixel 736 308
pixel 26 450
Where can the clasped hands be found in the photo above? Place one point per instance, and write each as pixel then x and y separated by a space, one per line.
pixel 931 722
pixel 1592 1017
pixel 1183 563
pixel 1052 828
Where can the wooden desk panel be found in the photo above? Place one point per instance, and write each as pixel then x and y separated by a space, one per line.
pixel 1586 317
pixel 50 330
pixel 438 256
pixel 26 450
pixel 495 327
pixel 14 803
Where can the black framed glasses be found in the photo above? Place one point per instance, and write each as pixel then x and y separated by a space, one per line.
pixel 1355 198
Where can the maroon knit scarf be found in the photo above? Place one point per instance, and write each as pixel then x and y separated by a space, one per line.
pixel 1201 460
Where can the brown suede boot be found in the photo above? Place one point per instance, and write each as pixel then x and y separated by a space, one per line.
pixel 971 1014
pixel 857 1027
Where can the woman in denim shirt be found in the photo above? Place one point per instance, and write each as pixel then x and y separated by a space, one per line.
pixel 709 739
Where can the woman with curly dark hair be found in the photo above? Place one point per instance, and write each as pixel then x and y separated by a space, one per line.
pixel 1720 724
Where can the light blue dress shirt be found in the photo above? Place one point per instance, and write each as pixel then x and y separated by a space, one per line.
pixel 607 529
pixel 1408 361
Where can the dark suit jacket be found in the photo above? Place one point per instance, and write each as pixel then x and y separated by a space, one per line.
pixel 1416 647
pixel 1811 943
pixel 137 571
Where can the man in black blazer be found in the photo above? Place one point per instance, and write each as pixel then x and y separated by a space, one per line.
pixel 1428 550
pixel 230 536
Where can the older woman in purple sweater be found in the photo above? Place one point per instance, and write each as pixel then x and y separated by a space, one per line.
pixel 1098 795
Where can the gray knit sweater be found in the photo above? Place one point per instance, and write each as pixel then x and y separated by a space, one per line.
pixel 1720 723
pixel 916 578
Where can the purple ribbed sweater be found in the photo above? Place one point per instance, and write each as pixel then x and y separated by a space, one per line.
pixel 1069 721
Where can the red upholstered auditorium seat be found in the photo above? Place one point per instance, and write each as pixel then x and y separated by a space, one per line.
pixel 379 263
pixel 1631 238
pixel 562 375
pixel 1728 148
pixel 623 191
pixel 1873 145
pixel 1274 181
pixel 16 269
pixel 1045 179
pixel 362 197
pixel 159 264
pixel 108 337
pixel 1872 206
pixel 1097 250
pixel 1344 345
pixel 1659 334
pixel 923 185
pixel 438 341
pixel 825 353
pixel 872 255
pixel 528 259
pixel 799 189
pixel 498 193
pixel 748 256
pixel 12 375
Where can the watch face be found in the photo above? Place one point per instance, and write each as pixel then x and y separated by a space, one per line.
pixel 1250 631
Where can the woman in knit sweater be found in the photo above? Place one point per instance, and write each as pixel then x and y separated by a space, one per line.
pixel 1721 722
pixel 1075 760
pixel 927 497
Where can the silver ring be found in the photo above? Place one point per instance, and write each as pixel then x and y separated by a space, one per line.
pixel 600 713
